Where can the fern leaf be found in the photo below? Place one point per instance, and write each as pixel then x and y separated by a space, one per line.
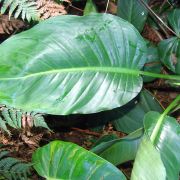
pixel 40 122
pixel 3 154
pixel 5 5
pixel 18 119
pixel 12 168
pixel 20 8
pixel 12 114
pixel 12 9
pixel 5 114
pixel 3 126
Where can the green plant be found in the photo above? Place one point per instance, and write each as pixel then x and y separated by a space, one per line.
pixel 62 160
pixel 128 120
pixel 56 161
pixel 18 119
pixel 23 8
pixel 13 169
pixel 102 68
pixel 90 8
pixel 94 68
pixel 133 11
pixel 169 48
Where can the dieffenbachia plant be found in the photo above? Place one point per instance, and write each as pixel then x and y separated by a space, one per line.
pixel 156 153
pixel 65 160
pixel 71 64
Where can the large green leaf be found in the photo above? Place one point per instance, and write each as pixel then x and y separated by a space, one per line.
pixel 169 51
pixel 158 156
pixel 72 64
pixel 174 20
pixel 133 11
pixel 64 160
pixel 132 114
pixel 118 151
pixel 148 164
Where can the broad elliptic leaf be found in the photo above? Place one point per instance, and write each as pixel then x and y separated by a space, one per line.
pixel 118 151
pixel 133 11
pixel 169 52
pixel 174 20
pixel 153 63
pixel 158 156
pixel 64 160
pixel 72 64
pixel 132 114
pixel 169 49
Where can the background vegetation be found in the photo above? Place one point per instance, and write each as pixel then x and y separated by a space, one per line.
pixel 89 96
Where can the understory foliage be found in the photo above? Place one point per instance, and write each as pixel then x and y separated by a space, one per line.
pixel 96 64
pixel 11 168
pixel 24 8
pixel 16 13
pixel 10 117
pixel 32 9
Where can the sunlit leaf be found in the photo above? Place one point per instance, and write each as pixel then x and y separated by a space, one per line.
pixel 64 160
pixel 72 64
pixel 158 157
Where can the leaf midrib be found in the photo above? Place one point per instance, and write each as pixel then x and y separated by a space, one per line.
pixel 118 70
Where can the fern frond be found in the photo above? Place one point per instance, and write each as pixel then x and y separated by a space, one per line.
pixel 39 121
pixel 24 8
pixel 12 168
pixel 18 119
pixel 10 26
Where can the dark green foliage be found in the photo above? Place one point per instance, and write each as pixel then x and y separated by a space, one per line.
pixel 130 116
pixel 13 169
pixel 133 11
pixel 153 63
pixel 169 50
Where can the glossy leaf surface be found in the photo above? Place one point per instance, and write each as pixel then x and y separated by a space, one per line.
pixel 64 160
pixel 132 114
pixel 153 63
pixel 118 151
pixel 174 20
pixel 133 11
pixel 169 50
pixel 158 158
pixel 71 64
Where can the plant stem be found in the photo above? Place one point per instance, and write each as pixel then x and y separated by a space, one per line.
pixel 163 76
pixel 158 18
pixel 172 105
pixel 107 6
pixel 162 118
